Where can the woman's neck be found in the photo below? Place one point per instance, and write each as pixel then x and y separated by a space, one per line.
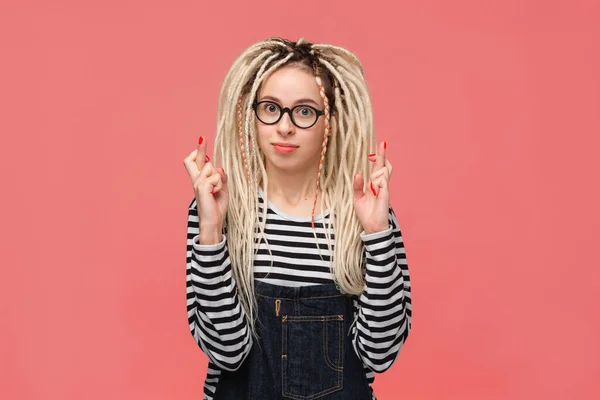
pixel 293 192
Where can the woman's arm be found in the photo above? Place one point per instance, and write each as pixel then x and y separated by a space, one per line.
pixel 215 315
pixel 383 312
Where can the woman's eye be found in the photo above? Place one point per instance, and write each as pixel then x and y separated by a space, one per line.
pixel 271 108
pixel 305 112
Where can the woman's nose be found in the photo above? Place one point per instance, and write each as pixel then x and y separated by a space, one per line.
pixel 285 126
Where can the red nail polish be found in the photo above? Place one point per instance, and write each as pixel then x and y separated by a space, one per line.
pixel 200 140
pixel 372 155
pixel 373 190
pixel 222 170
pixel 207 159
pixel 385 145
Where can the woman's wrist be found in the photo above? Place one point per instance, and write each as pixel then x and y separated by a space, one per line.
pixel 210 235
pixel 371 230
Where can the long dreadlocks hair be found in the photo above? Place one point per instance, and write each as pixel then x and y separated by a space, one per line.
pixel 347 138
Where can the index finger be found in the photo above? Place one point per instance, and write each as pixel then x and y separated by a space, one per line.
pixel 201 156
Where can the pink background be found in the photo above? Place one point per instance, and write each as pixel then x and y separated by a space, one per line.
pixel 491 114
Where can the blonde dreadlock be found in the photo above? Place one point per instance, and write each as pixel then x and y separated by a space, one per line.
pixel 348 138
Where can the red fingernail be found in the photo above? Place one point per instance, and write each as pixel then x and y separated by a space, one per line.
pixel 200 140
pixel 385 145
pixel 373 190
pixel 207 158
pixel 372 155
pixel 222 170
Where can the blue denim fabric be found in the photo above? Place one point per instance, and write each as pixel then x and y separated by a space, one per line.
pixel 304 351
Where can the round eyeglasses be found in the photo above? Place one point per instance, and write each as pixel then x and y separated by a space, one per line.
pixel 303 116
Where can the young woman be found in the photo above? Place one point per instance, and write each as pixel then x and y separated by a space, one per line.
pixel 297 281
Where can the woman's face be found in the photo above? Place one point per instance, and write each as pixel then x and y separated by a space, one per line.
pixel 286 146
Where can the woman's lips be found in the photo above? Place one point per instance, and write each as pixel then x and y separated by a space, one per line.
pixel 284 148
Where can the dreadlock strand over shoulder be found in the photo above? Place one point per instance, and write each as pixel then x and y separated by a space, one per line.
pixel 348 135
pixel 353 124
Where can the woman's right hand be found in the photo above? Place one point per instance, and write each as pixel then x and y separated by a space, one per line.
pixel 212 197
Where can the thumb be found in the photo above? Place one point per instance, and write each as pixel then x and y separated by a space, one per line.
pixel 357 186
pixel 214 183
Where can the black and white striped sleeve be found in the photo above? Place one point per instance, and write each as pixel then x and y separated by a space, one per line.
pixel 215 315
pixel 383 312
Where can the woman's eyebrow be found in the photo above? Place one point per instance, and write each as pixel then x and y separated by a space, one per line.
pixel 299 101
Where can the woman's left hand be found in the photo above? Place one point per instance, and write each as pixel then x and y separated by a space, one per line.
pixel 372 207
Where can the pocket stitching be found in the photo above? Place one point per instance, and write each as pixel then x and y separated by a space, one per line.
pixel 328 361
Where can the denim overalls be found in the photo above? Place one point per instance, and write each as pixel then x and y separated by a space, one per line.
pixel 304 351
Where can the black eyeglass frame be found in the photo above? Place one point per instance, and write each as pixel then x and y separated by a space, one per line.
pixel 283 110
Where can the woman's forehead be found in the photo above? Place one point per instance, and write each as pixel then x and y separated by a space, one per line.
pixel 289 84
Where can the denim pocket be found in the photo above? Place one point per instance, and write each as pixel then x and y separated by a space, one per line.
pixel 312 357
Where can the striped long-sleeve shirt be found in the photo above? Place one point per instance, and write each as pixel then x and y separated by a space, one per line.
pixel 217 320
